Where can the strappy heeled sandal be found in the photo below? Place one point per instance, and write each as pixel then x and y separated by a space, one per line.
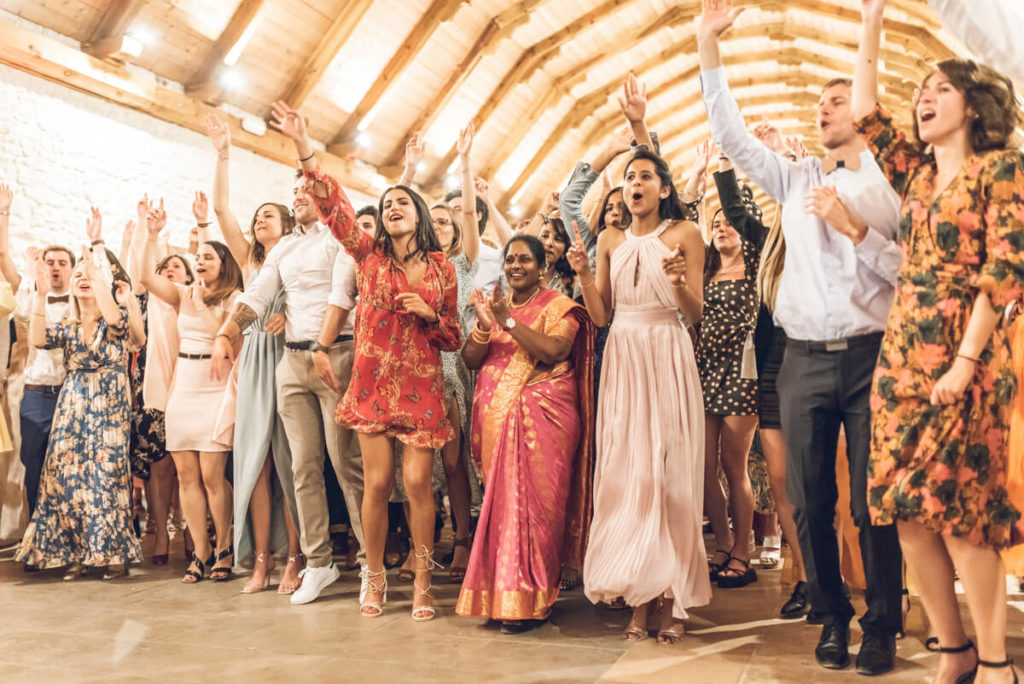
pixel 715 568
pixel 995 666
pixel 737 577
pixel 966 677
pixel 222 574
pixel 268 566
pixel 932 644
pixel 424 613
pixel 457 573
pixel 297 559
pixel 673 634
pixel 382 589
pixel 635 633
pixel 196 576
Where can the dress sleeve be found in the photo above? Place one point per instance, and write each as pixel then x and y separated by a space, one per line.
pixel 1002 274
pixel 570 203
pixel 895 155
pixel 749 228
pixel 337 214
pixel 445 334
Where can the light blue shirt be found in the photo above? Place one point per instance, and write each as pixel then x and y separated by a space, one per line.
pixel 830 289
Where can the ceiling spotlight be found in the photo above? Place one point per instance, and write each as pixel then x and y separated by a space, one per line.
pixel 421 167
pixel 363 139
pixel 515 211
pixel 231 80
pixel 452 182
pixel 143 34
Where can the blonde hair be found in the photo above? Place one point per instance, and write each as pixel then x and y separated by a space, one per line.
pixel 773 258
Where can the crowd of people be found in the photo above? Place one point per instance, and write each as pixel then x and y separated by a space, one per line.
pixel 585 387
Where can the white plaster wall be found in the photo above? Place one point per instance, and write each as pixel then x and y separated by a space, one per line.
pixel 62 151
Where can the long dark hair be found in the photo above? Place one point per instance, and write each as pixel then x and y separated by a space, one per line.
pixel 712 257
pixel 257 252
pixel 561 266
pixel 670 207
pixel 230 278
pixel 424 240
pixel 626 216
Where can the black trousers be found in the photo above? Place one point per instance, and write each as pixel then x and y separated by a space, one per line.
pixel 36 414
pixel 820 390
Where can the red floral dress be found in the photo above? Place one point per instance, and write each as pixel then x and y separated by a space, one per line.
pixel 397 386
pixel 945 466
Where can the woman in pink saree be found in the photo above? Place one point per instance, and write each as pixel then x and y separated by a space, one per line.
pixel 532 435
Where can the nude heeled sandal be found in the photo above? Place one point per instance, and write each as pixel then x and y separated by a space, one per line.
pixel 424 613
pixel 382 589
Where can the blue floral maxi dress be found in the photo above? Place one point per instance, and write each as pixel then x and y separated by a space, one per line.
pixel 84 514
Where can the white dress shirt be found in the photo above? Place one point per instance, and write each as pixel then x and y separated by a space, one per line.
pixel 314 270
pixel 491 272
pixel 989 29
pixel 44 366
pixel 830 289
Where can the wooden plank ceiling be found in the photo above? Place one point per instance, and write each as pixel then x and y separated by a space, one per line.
pixel 539 77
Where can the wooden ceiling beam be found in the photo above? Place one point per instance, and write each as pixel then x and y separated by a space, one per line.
pixel 111 28
pixel 312 72
pixel 46 58
pixel 436 14
pixel 203 84
pixel 496 30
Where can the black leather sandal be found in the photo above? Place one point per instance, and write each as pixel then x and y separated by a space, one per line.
pixel 994 666
pixel 738 577
pixel 715 568
pixel 222 574
pixel 197 575
pixel 966 677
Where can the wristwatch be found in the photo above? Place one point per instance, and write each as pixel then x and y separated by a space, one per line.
pixel 321 348
pixel 510 323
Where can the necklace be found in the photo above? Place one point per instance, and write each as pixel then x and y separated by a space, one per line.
pixel 513 305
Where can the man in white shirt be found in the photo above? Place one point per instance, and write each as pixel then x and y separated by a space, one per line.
pixel 839 219
pixel 318 280
pixel 44 370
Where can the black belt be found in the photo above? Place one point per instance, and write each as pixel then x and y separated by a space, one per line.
pixel 194 357
pixel 842 344
pixel 49 389
pixel 307 345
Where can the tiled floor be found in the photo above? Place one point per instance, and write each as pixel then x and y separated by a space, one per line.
pixel 150 627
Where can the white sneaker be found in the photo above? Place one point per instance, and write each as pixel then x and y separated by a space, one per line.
pixel 314 580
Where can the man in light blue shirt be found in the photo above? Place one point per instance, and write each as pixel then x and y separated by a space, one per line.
pixel 839 219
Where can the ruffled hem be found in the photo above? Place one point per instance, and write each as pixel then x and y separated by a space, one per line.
pixel 413 436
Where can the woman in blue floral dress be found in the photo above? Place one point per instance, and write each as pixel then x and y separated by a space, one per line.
pixel 84 515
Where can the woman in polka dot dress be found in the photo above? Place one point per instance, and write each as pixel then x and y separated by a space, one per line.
pixel 728 375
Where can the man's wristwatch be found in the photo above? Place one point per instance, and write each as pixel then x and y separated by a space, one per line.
pixel 509 323
pixel 321 348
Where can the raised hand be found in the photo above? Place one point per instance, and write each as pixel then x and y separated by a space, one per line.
pixel 703 158
pixel 674 266
pixel 34 257
pixel 122 292
pixel 499 306
pixel 94 225
pixel 484 315
pixel 633 100
pixel 465 144
pixel 577 254
pixel 872 8
pixel 551 202
pixel 6 197
pixel 412 303
pixel 288 121
pixel 716 17
pixel 200 207
pixel 770 136
pixel 156 218
pixel 91 272
pixel 415 150
pixel 796 146
pixel 197 295
pixel 218 132
pixel 481 188
pixel 142 209
pixel 619 141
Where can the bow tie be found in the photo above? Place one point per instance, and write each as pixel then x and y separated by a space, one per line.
pixel 56 299
pixel 829 165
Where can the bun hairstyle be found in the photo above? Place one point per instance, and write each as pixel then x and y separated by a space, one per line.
pixel 991 103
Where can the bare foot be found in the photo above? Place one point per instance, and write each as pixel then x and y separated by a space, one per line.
pixel 290 580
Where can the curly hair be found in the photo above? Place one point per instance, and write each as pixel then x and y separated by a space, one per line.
pixel 989 96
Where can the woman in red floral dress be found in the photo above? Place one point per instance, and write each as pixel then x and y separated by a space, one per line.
pixel 407 315
pixel 944 383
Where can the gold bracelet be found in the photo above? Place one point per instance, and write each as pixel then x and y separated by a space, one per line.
pixel 584 286
pixel 969 358
pixel 479 336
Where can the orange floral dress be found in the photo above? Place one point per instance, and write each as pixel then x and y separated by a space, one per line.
pixel 397 386
pixel 945 466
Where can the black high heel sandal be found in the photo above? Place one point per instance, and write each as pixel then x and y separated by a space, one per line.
pixel 995 666
pixel 715 568
pixel 222 574
pixel 740 577
pixel 966 677
pixel 197 575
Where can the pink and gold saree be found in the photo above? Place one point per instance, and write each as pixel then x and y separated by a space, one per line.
pixel 532 435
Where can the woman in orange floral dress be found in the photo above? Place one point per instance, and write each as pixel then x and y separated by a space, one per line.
pixel 944 382
pixel 407 315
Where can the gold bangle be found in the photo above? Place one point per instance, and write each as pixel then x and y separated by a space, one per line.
pixel 584 286
pixel 479 336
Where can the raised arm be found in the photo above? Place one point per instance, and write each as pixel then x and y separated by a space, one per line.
pixel 865 72
pixel 415 150
pixel 538 220
pixel 570 201
pixel 693 191
pixel 501 227
pixel 633 102
pixel 470 233
pixel 597 290
pixel 291 123
pixel 220 137
pixel 135 263
pixel 37 319
pixel 598 207
pixel 7 267
pixel 156 219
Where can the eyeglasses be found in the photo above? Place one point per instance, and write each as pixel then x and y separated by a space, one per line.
pixel 442 223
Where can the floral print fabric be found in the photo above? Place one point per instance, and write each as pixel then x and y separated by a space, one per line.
pixel 84 513
pixel 945 466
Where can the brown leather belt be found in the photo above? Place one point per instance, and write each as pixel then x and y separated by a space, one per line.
pixel 194 357
pixel 49 389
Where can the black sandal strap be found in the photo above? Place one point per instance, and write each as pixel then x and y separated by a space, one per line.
pixel 995 666
pixel 932 644
pixel 943 649
pixel 228 551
